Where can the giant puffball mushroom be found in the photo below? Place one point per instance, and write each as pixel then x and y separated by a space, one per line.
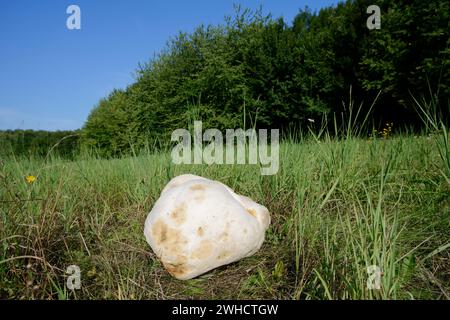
pixel 199 224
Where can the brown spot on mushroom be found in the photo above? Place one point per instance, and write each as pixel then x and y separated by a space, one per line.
pixel 252 212
pixel 200 231
pixel 170 239
pixel 159 231
pixel 245 231
pixel 203 250
pixel 179 213
pixel 223 255
pixel 223 236
pixel 199 191
pixel 197 187
pixel 177 269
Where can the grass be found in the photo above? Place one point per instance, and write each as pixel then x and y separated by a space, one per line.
pixel 338 207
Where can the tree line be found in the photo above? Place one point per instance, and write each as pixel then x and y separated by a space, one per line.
pixel 254 70
pixel 39 143
pixel 258 70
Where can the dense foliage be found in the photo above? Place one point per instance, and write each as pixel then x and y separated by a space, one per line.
pixel 258 70
pixel 39 143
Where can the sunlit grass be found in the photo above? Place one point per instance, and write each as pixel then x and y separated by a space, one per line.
pixel 338 207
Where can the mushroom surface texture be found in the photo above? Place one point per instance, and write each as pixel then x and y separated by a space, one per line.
pixel 198 224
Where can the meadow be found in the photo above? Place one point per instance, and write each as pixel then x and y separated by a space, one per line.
pixel 338 206
pixel 360 205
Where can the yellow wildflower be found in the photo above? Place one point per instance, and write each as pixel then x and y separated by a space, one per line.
pixel 30 179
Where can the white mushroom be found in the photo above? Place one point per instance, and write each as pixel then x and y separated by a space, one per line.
pixel 199 224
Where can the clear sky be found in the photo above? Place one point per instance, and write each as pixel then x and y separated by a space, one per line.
pixel 51 77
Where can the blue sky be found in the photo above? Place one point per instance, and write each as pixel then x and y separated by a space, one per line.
pixel 51 77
